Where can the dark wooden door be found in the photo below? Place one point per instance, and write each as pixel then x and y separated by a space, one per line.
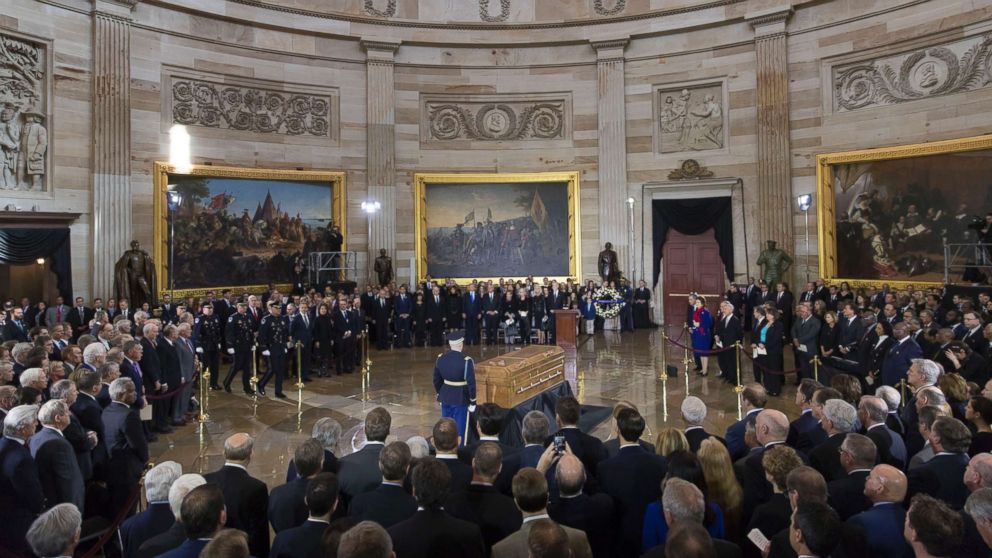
pixel 691 264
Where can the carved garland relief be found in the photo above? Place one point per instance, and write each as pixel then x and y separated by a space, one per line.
pixel 24 143
pixel 601 9
pixel 504 11
pixel 495 121
pixel 197 102
pixel 954 67
pixel 390 10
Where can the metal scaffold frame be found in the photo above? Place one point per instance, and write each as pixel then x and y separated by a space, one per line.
pixel 327 267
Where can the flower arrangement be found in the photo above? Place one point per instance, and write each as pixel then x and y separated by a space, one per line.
pixel 608 302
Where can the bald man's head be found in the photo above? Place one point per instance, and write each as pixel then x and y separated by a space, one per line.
pixel 237 447
pixel 979 472
pixel 885 483
pixel 571 475
pixel 771 426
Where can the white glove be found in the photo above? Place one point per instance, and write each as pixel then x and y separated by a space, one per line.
pixel 199 350
pixel 230 351
pixel 289 345
pixel 471 408
pixel 265 353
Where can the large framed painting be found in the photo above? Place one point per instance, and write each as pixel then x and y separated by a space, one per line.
pixel 242 228
pixel 885 215
pixel 486 226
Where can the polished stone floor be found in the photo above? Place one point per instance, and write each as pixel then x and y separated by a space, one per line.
pixel 606 368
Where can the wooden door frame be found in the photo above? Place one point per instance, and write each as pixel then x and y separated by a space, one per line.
pixel 687 189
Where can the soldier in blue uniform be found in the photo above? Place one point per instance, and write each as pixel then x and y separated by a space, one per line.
pixel 454 382
pixel 206 337
pixel 273 339
pixel 240 339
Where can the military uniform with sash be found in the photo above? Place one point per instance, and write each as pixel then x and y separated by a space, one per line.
pixel 454 382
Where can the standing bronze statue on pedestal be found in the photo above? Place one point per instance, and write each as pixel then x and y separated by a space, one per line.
pixel 608 266
pixel 384 268
pixel 134 277
pixel 775 261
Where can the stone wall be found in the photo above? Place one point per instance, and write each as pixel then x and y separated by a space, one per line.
pixel 769 83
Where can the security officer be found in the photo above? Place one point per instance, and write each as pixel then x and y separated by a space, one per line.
pixel 454 382
pixel 207 338
pixel 240 340
pixel 273 339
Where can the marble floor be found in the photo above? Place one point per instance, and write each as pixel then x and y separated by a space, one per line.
pixel 606 368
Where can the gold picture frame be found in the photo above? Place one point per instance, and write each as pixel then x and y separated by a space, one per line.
pixel 827 213
pixel 335 179
pixel 423 181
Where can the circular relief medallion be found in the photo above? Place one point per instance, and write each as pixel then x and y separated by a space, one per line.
pixel 928 74
pixel 496 122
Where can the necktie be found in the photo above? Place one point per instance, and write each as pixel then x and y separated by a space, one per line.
pixel 437 300
pixel 306 322
pixel 137 369
pixel 472 296
pixel 58 314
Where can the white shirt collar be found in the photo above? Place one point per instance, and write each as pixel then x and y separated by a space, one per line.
pixel 694 428
pixel 447 456
pixel 374 443
pixel 536 517
pixel 87 395
pixel 18 440
pixel 877 425
pixel 239 466
pixel 319 520
pixel 53 429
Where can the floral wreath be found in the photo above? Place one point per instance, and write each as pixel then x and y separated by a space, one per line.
pixel 607 302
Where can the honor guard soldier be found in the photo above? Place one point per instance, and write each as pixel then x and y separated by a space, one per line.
pixel 207 337
pixel 273 339
pixel 454 382
pixel 240 340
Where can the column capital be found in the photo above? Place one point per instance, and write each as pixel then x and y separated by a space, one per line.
pixel 378 50
pixel 114 8
pixel 769 21
pixel 610 50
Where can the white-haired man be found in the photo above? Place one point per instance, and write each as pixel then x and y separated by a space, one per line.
pixel 839 418
pixel 175 535
pixel 56 532
pixel 922 373
pixel 327 431
pixel 892 399
pixel 23 496
pixel 694 413
pixel 61 478
pixel 157 517
pixel 126 443
pixel 34 378
pixel 94 355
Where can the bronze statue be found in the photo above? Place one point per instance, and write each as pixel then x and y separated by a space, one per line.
pixel 775 262
pixel 609 269
pixel 384 268
pixel 134 277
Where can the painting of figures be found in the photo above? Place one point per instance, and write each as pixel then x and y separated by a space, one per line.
pixel 491 226
pixel 248 230
pixel 892 216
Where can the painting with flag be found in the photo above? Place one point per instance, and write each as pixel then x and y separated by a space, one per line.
pixel 510 225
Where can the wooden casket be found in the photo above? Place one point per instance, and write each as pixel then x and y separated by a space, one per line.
pixel 513 378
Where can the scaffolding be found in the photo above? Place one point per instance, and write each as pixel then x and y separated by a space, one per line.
pixel 962 259
pixel 332 267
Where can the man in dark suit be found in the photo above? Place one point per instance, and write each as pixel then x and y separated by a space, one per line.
pixel 157 517
pixel 943 476
pixel 61 479
pixel 872 412
pixel 846 494
pixel 728 332
pixel 172 374
pixel 432 532
pixel 771 429
pixel 359 471
pixel 633 479
pixel 305 541
pixel 344 339
pixel 838 420
pixel 806 339
pixel 754 397
pixel 435 316
pixel 557 300
pixel 203 516
pixel 402 312
pixel 900 356
pixel 472 314
pixel 151 376
pixel 14 329
pixel 785 304
pixel 694 413
pixel 534 429
pixel 301 326
pixel 589 449
pixel 89 412
pixel 245 498
pixel 79 318
pixel 490 313
pixel 592 514
pixel 495 514
pixel 851 329
pixel 381 312
pixel 327 431
pixel 973 337
pixel 287 503
pixel 174 535
pixel 127 448
pixel 489 419
pixel 23 496
pixel 389 503
pixel 445 437
pixel 806 420
pixel 882 524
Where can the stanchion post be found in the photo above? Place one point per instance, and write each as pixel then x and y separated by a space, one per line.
pixel 299 369
pixel 204 378
pixel 686 359
pixel 902 392
pixel 664 357
pixel 739 388
pixel 816 368
pixel 365 342
pixel 254 380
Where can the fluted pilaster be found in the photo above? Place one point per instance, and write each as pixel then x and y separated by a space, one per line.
pixel 612 147
pixel 111 139
pixel 774 171
pixel 381 144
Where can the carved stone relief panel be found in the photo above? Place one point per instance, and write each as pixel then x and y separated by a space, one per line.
pixel 486 15
pixel 237 106
pixel 953 67
pixel 389 11
pixel 601 8
pixel 690 117
pixel 496 118
pixel 25 94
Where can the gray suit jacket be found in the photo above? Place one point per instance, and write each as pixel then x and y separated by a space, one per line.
pixel 808 334
pixel 52 313
pixel 61 479
pixel 515 546
pixel 186 363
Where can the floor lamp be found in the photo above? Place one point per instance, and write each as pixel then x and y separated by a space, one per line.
pixel 630 239
pixel 805 201
pixel 181 163
pixel 370 208
pixel 174 200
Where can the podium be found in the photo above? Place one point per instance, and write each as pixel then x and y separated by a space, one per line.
pixel 565 327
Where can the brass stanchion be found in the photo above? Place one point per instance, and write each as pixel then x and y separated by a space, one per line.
pixel 902 392
pixel 664 357
pixel 816 368
pixel 204 377
pixel 739 388
pixel 299 387
pixel 254 382
pixel 365 343
pixel 686 359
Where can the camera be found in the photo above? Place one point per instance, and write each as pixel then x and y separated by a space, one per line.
pixel 559 442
